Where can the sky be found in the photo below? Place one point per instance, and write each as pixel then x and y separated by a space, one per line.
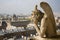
pixel 25 7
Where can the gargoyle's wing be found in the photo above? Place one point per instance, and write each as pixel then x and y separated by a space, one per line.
pixel 47 9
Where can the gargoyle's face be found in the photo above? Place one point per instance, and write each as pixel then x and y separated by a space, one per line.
pixel 36 16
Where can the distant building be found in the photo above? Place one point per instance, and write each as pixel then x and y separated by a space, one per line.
pixel 14 18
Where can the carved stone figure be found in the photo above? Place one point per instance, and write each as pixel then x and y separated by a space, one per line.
pixel 36 17
pixel 48 26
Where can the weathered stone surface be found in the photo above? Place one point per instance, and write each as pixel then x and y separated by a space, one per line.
pixel 36 17
pixel 48 25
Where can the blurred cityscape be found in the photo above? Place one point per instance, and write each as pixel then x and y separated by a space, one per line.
pixel 19 27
